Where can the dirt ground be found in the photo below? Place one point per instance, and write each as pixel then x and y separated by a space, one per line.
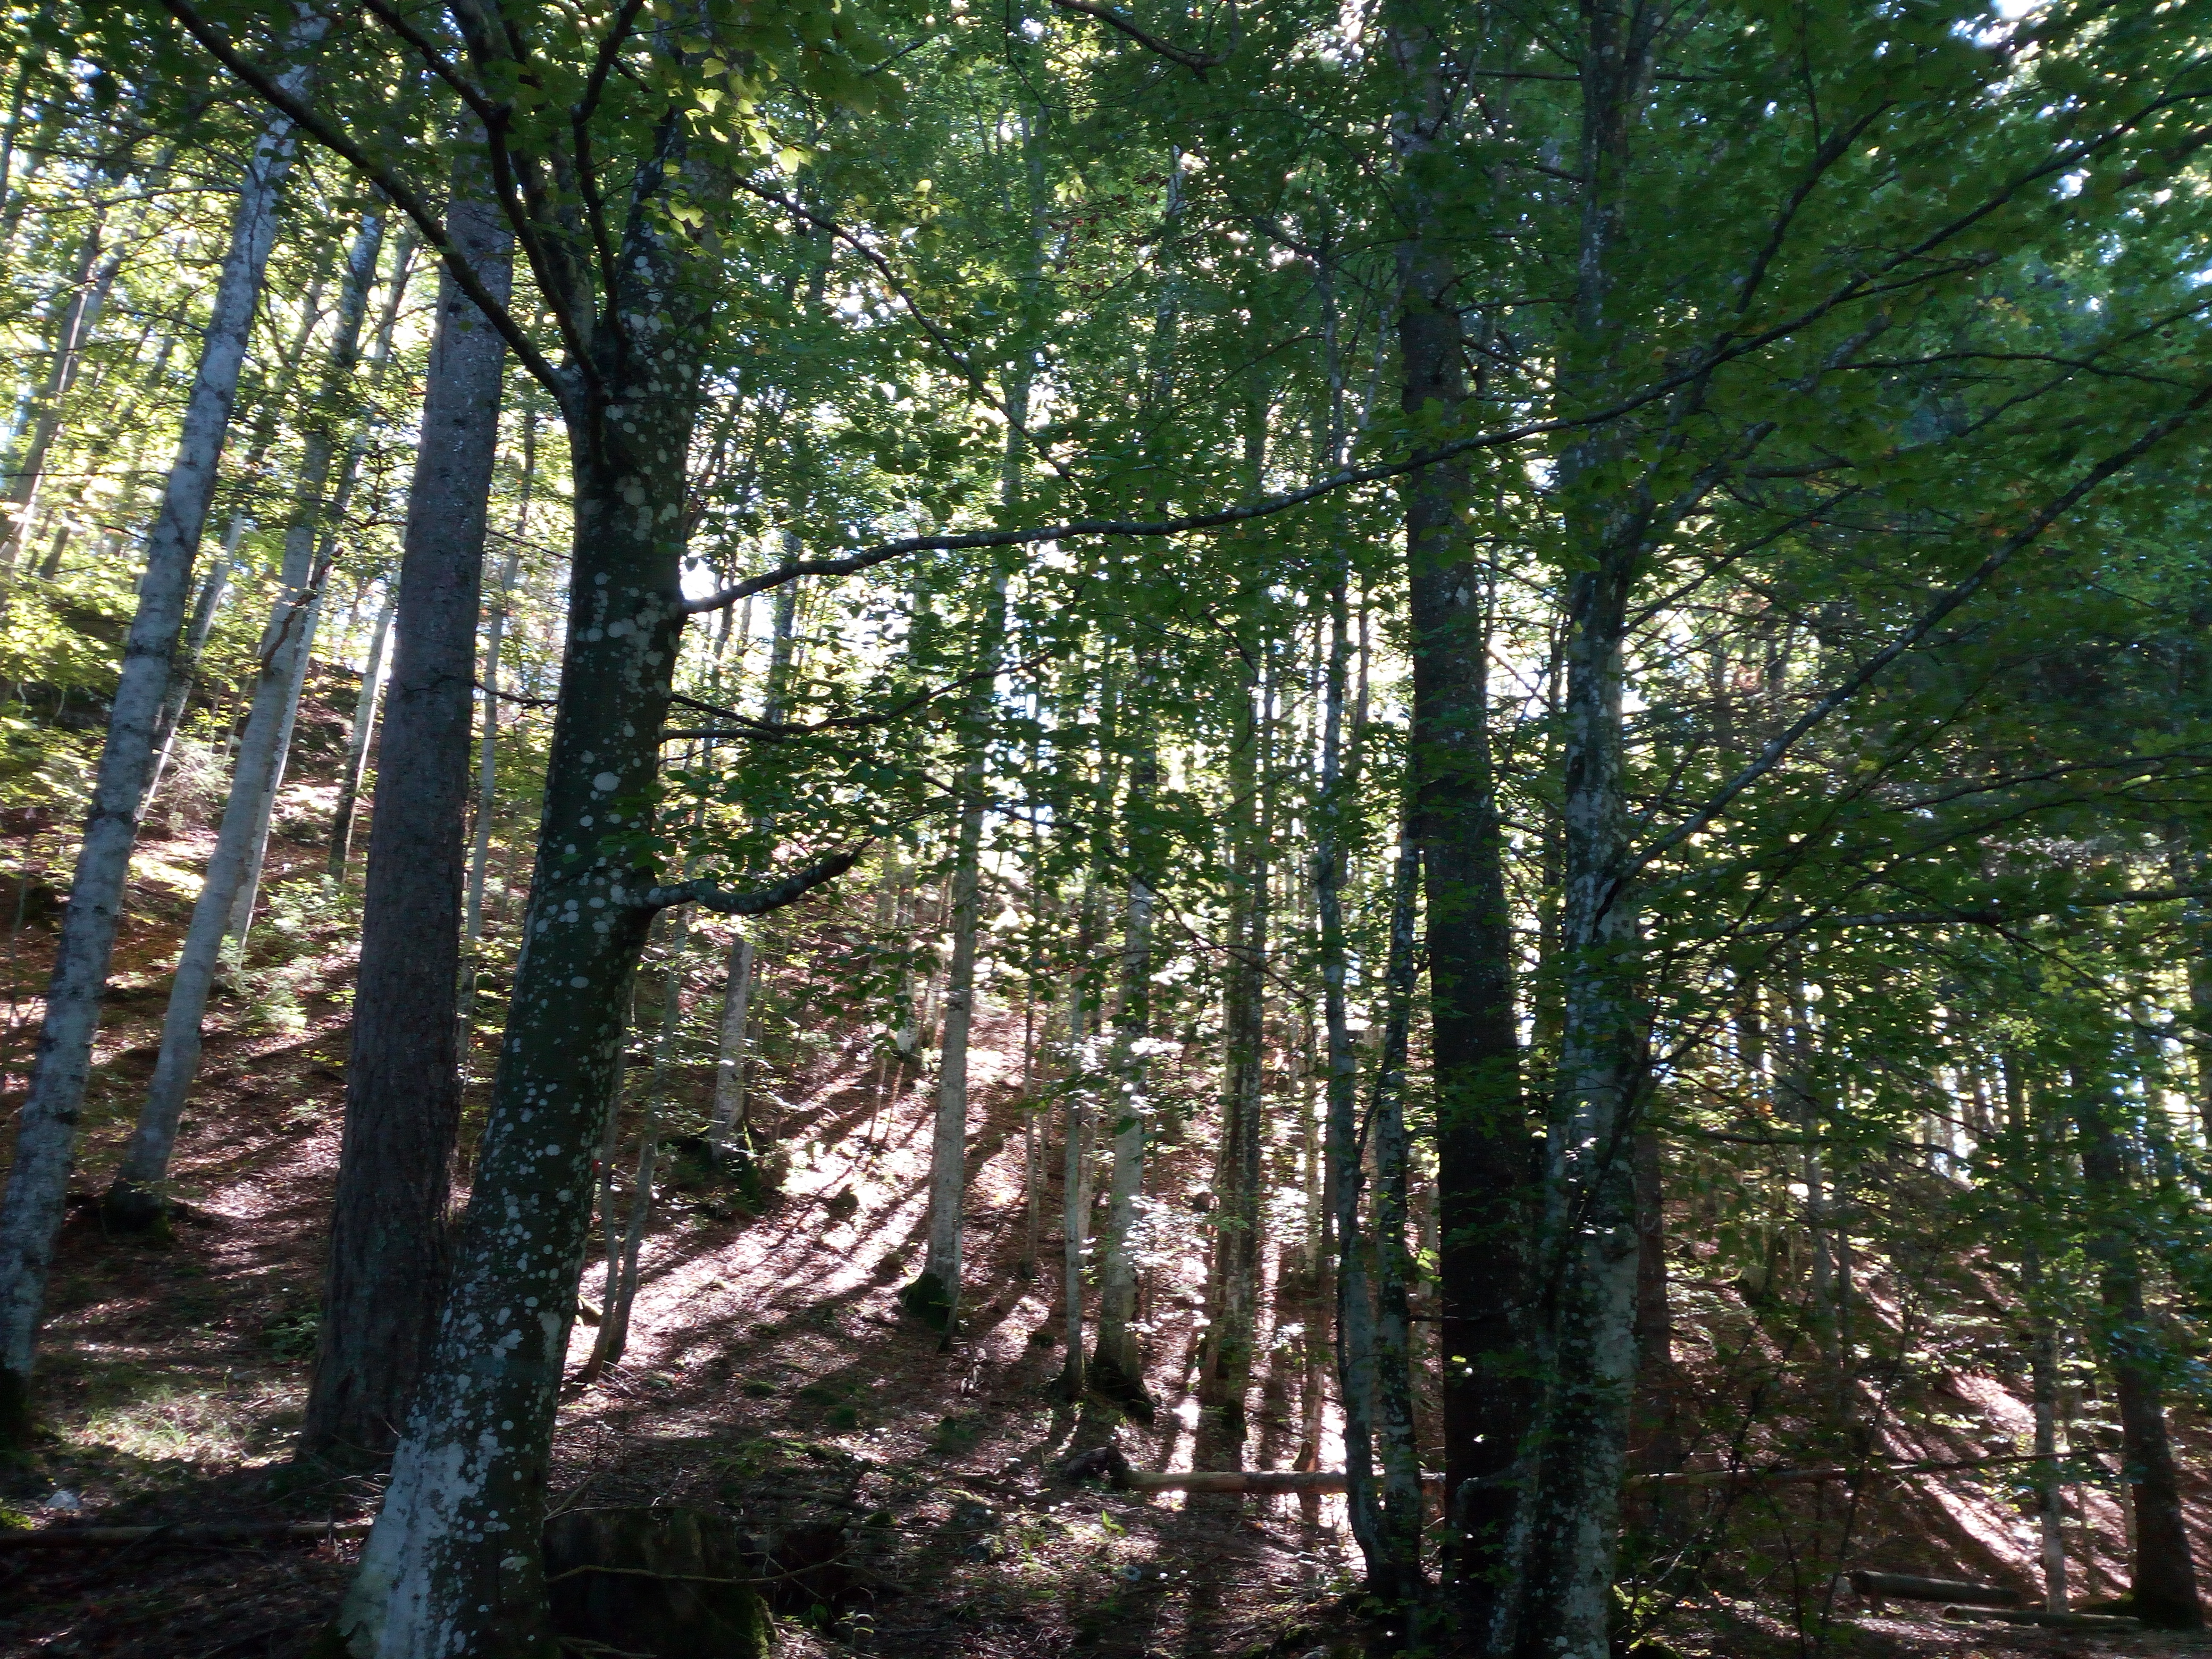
pixel 769 1377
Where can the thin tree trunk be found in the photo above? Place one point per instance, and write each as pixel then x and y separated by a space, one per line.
pixel 613 1340
pixel 46 1128
pixel 195 645
pixel 488 758
pixel 1117 1360
pixel 135 1199
pixel 337 390
pixel 1075 1196
pixel 1227 1354
pixel 935 1297
pixel 389 1223
pixel 1394 1372
pixel 729 1132
pixel 88 294
pixel 1354 1308
pixel 364 731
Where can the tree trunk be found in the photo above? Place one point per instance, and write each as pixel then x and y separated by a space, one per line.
pixel 88 294
pixel 363 732
pixel 613 1340
pixel 136 1200
pixel 2164 1589
pixel 46 1128
pixel 730 1134
pixel 1565 1532
pixel 389 1222
pixel 1118 1360
pixel 1402 1580
pixel 186 668
pixel 1483 1147
pixel 934 1296
pixel 1075 1177
pixel 488 770
pixel 1226 1356
pixel 452 1565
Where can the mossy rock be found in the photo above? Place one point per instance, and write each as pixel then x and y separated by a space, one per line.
pixel 673 1583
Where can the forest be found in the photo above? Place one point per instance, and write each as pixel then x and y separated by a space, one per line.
pixel 1144 828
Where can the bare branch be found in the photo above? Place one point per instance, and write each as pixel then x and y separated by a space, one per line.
pixel 761 899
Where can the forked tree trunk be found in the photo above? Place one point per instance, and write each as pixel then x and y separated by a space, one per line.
pixel 136 1200
pixel 46 1128
pixel 389 1226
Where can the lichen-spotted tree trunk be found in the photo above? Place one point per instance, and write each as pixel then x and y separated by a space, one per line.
pixel 45 1136
pixel 389 1224
pixel 452 1565
pixel 135 1199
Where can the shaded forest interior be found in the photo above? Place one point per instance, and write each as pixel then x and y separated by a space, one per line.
pixel 1158 831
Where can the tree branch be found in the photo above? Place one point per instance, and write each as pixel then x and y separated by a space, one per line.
pixel 1779 746
pixel 774 896
pixel 1196 63
pixel 265 88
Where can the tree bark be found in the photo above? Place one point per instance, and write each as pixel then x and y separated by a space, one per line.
pixel 47 1129
pixel 136 1200
pixel 1402 1582
pixel 1565 1539
pixel 935 1297
pixel 389 1222
pixel 1226 1354
pixel 452 1565
pixel 87 294
pixel 2164 1588
pixel 1117 1356
pixel 1483 1147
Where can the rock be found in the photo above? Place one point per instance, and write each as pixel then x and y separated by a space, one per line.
pixel 672 1583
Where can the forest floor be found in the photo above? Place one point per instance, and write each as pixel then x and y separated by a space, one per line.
pixel 770 1377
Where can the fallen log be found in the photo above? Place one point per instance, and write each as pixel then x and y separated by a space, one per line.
pixel 222 1532
pixel 1738 1477
pixel 1247 1480
pixel 1962 1615
pixel 1909 1586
